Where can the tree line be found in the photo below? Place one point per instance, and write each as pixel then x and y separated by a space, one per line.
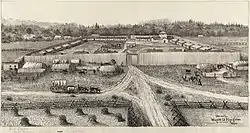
pixel 12 33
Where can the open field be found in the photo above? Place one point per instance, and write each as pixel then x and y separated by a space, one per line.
pixel 206 117
pixel 174 75
pixel 90 47
pixel 143 47
pixel 43 83
pixel 8 56
pixel 30 45
pixel 215 40
pixel 38 117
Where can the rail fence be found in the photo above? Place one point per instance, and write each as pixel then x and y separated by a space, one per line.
pixel 232 43
pixel 177 119
pixel 18 49
pixel 65 104
pixel 211 105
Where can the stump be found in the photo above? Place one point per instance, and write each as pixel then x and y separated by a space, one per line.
pixel 80 112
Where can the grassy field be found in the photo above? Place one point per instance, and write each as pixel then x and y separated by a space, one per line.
pixel 30 45
pixel 203 117
pixel 8 56
pixel 88 46
pixel 174 73
pixel 38 117
pixel 215 40
pixel 143 47
pixel 43 83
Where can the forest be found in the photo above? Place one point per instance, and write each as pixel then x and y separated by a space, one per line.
pixel 12 33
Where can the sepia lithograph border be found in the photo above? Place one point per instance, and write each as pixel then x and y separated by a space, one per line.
pixel 130 129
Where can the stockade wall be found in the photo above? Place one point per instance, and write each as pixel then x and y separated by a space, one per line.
pixel 98 58
pixel 173 58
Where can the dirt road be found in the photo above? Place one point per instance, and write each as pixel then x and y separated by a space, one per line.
pixel 145 97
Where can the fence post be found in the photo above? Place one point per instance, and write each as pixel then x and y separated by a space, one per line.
pixel 225 105
pixel 212 105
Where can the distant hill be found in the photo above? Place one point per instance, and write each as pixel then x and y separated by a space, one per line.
pixel 11 21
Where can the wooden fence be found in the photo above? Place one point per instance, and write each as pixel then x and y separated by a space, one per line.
pixel 173 58
pixel 18 49
pixel 97 58
pixel 65 104
pixel 211 105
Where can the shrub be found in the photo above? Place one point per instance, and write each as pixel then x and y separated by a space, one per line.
pixel 9 98
pixel 119 117
pixel 15 112
pixel 63 120
pixel 166 104
pixel 25 122
pixel 182 96
pixel 114 97
pixel 92 119
pixel 159 91
pixel 80 112
pixel 168 97
pixel 72 95
pixel 47 111
pixel 105 111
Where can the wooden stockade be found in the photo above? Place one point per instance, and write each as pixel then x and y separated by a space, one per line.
pixel 211 105
pixel 65 104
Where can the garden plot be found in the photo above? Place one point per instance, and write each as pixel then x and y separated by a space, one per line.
pixel 174 73
pixel 39 117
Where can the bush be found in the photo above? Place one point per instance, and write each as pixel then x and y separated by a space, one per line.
pixel 47 111
pixel 92 119
pixel 9 98
pixel 182 96
pixel 15 112
pixel 119 117
pixel 63 120
pixel 72 95
pixel 105 111
pixel 168 97
pixel 166 104
pixel 80 112
pixel 114 97
pixel 159 91
pixel 25 122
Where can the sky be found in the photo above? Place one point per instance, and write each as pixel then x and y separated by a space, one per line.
pixel 88 13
